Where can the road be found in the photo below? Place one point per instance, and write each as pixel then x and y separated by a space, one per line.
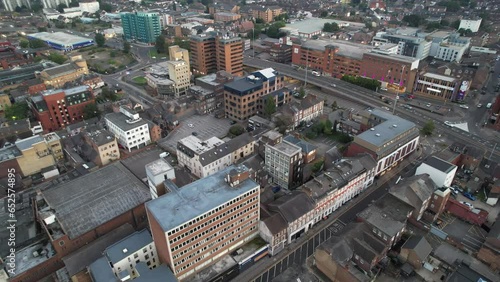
pixel 297 253
pixel 370 98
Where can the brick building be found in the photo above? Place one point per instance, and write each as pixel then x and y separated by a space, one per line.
pixel 57 108
pixel 226 17
pixel 267 14
pixel 440 87
pixel 330 57
pixel 57 76
pixel 195 226
pixel 244 97
pixel 395 72
pixel 389 139
pixel 209 92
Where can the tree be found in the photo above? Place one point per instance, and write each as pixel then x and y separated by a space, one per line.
pixel 254 33
pixel 413 20
pixel 317 166
pixel 302 92
pixel 323 14
pixel 334 105
pixel 126 47
pixel 57 58
pixel 445 23
pixel 99 39
pixel 282 17
pixel 42 29
pixel 37 43
pixel 259 21
pixel 91 111
pixel 61 7
pixel 24 43
pixel 335 124
pixel 161 44
pixel 455 24
pixel 269 106
pixel 17 111
pixel 36 7
pixel 331 27
pixel 74 3
pixel 428 128
pixel 105 7
pixel 433 26
pixel 236 130
pixel 328 127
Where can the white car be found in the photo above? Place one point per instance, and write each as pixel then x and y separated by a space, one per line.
pixel 447 123
pixel 333 85
pixel 190 125
pixel 467 204
pixel 464 106
pixel 479 105
pixel 429 105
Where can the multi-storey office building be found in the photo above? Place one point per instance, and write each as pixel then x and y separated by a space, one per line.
pixel 243 97
pixel 176 53
pixel 141 26
pixel 58 76
pixel 203 53
pixel 441 87
pixel 409 42
pixel 195 226
pixel 130 130
pixel 211 52
pixel 389 139
pixel 57 108
pixel 283 162
pixel 179 73
pixel 229 53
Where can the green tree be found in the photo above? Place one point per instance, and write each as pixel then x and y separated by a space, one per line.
pixel 254 33
pixel 42 29
pixel 433 26
pixel 24 43
pixel 57 58
pixel 331 27
pixel 17 111
pixel 302 92
pixel 36 6
pixel 282 17
pixel 259 21
pixel 37 43
pixel 413 20
pixel 317 166
pixel 323 14
pixel 335 124
pixel 61 7
pixel 269 106
pixel 445 23
pixel 90 111
pixel 328 127
pixel 161 45
pixel 105 7
pixel 334 105
pixel 126 47
pixel 428 128
pixel 236 130
pixel 273 31
pixel 74 3
pixel 99 39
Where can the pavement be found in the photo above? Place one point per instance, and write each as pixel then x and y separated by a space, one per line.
pixel 296 253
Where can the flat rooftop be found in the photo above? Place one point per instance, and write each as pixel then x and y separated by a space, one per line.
pixel 129 245
pixel 316 24
pixel 27 143
pixel 199 146
pixel 287 148
pixel 95 198
pixel 346 49
pixel 391 127
pixel 136 163
pixel 60 38
pixel 182 205
pixel 120 120
pixel 396 57
pixel 439 164
pixel 158 166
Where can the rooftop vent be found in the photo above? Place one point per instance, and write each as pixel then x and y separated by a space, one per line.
pixel 125 251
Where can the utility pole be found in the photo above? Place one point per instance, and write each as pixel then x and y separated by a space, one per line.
pixel 397 92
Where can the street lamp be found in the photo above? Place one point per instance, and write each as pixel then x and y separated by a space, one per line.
pixel 397 92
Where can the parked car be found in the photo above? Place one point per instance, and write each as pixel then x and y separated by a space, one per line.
pixel 479 105
pixel 464 106
pixel 467 204
pixel 194 134
pixel 429 105
pixel 454 191
pixel 469 196
pixel 457 188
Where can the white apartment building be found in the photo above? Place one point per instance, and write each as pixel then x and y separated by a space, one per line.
pixel 440 171
pixel 472 24
pixel 156 173
pixel 204 158
pixel 339 184
pixel 448 46
pixel 130 130
pixel 165 20
pixel 125 254
pixel 283 163
pixel 90 7
pixel 180 74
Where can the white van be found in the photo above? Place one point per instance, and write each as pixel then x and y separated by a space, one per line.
pixel 488 106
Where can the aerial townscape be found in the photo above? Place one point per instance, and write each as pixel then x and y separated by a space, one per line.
pixel 249 140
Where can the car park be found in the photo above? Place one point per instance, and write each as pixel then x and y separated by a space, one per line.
pixel 469 196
